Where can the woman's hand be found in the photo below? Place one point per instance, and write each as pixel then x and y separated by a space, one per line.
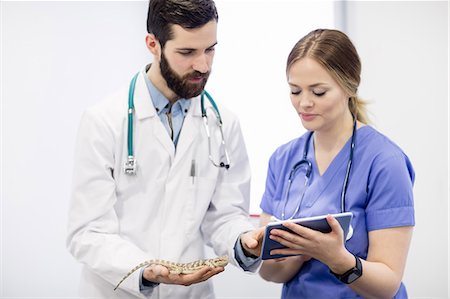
pixel 325 247
pixel 282 269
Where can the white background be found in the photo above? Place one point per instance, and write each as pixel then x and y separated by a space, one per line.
pixel 404 51
pixel 60 57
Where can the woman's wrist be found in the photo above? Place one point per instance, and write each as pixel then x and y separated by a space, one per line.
pixel 342 263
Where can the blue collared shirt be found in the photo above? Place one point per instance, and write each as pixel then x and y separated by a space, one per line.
pixel 162 105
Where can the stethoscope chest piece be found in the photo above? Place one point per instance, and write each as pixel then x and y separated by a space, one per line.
pixel 130 166
pixel 350 233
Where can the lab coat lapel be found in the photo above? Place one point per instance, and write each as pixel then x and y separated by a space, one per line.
pixel 190 130
pixel 144 109
pixel 163 137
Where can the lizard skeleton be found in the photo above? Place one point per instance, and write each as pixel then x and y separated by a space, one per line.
pixel 181 268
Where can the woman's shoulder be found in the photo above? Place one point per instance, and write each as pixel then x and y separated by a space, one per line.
pixel 375 143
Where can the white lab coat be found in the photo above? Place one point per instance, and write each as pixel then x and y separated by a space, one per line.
pixel 117 221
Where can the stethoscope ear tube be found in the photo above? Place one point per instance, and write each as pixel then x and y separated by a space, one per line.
pixel 213 103
pixel 227 162
pixel 349 167
pixel 130 165
pixel 308 171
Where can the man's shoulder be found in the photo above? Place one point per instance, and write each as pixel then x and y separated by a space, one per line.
pixel 228 115
pixel 114 104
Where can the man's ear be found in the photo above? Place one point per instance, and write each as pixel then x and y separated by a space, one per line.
pixel 153 44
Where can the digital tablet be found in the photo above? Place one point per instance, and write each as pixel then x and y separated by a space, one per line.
pixel 317 223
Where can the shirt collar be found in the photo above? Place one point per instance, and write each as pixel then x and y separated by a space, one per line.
pixel 162 104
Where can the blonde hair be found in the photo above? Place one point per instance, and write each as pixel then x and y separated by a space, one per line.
pixel 336 53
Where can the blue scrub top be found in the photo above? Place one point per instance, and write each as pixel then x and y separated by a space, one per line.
pixel 379 195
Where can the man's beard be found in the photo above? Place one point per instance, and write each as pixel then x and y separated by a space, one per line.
pixel 180 85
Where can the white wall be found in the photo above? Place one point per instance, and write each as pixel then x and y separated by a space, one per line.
pixel 255 38
pixel 59 57
pixel 404 52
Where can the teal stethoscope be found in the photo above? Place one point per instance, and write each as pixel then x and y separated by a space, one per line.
pixel 305 162
pixel 130 165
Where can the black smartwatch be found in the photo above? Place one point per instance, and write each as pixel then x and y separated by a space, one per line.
pixel 352 274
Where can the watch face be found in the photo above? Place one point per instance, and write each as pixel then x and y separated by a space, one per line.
pixel 353 276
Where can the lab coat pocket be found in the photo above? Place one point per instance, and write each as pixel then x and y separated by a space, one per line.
pixel 200 193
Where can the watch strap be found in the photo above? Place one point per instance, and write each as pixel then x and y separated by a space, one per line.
pixel 352 274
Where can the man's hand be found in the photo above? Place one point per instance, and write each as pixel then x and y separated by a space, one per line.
pixel 252 241
pixel 160 274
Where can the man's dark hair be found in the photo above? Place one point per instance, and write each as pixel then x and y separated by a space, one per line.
pixel 186 13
